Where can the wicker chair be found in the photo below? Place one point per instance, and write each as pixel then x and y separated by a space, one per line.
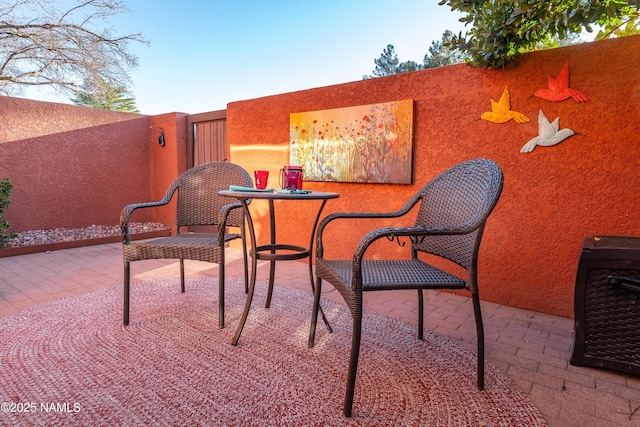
pixel 449 224
pixel 198 204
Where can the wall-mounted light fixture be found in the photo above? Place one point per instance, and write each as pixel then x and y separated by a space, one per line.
pixel 161 132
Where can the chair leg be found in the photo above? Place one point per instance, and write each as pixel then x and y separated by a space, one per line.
pixel 353 365
pixel 420 314
pixel 182 275
pixel 314 313
pixel 125 312
pixel 221 295
pixel 480 332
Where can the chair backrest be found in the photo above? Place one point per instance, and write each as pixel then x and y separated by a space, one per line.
pixel 198 199
pixel 461 196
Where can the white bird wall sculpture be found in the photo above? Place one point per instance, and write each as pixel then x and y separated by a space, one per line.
pixel 548 134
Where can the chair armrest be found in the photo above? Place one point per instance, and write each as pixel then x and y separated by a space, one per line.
pixel 395 232
pixel 360 215
pixel 128 210
pixel 224 216
pixel 392 233
pixel 367 215
pixel 346 215
pixel 125 215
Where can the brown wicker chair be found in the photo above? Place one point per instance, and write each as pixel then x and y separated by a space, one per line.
pixel 198 204
pixel 449 224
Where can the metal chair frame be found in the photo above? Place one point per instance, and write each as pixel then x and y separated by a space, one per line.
pixel 198 205
pixel 453 210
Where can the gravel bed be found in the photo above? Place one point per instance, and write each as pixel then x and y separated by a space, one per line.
pixel 57 235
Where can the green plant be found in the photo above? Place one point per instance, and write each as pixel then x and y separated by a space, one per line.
pixel 6 190
pixel 503 29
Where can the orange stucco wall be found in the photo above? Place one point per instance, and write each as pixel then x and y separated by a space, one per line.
pixel 75 166
pixel 167 162
pixel 23 118
pixel 553 197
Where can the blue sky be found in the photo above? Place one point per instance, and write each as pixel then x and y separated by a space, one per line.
pixel 205 54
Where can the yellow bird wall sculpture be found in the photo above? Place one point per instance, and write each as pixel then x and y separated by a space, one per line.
pixel 501 111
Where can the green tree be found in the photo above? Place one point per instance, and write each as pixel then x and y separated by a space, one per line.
pixel 442 53
pixel 106 97
pixel 42 43
pixel 503 29
pixel 387 64
pixel 407 66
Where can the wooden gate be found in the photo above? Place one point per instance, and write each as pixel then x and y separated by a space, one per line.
pixel 207 138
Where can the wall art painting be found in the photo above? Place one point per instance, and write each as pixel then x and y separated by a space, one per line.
pixel 368 143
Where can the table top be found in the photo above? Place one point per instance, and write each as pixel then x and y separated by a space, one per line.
pixel 276 195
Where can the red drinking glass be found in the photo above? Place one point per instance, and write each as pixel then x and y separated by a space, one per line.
pixel 261 179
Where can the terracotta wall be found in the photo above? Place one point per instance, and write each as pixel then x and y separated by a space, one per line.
pixel 167 162
pixel 76 166
pixel 23 118
pixel 553 197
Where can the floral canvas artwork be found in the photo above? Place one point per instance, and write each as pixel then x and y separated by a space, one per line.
pixel 367 143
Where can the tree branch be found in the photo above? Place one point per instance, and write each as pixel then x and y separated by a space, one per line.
pixel 40 45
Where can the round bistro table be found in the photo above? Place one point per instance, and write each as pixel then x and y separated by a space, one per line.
pixel 276 251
